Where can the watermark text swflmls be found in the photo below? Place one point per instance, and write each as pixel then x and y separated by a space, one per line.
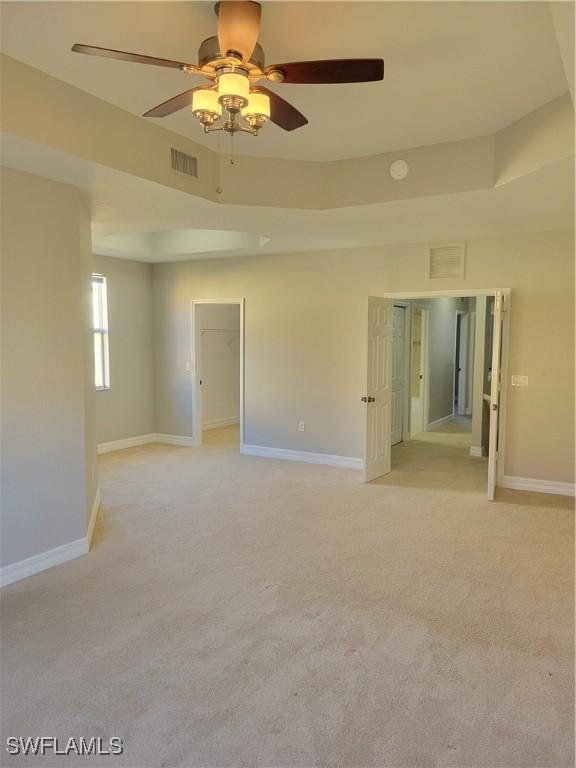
pixel 52 745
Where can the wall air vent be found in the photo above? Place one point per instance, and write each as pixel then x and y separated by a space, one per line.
pixel 446 261
pixel 184 164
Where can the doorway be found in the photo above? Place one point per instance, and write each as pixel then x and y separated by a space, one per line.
pixel 419 369
pixel 461 363
pixel 399 370
pixel 447 417
pixel 217 368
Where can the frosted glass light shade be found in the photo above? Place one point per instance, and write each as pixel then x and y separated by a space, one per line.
pixel 258 105
pixel 206 101
pixel 232 85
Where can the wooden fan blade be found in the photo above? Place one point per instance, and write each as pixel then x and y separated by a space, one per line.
pixel 330 71
pixel 282 112
pixel 238 26
pixel 135 58
pixel 173 105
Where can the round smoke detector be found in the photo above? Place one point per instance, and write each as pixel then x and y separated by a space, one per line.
pixel 399 169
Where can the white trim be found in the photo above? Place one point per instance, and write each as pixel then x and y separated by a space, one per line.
pixel 463 365
pixel 476 451
pixel 183 440
pixel 31 565
pixel 407 307
pixel 438 423
pixel 134 442
pixel 347 462
pixel 93 518
pixel 538 486
pixel 220 423
pixel 127 442
pixel 457 293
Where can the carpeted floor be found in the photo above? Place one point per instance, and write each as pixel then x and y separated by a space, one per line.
pixel 238 611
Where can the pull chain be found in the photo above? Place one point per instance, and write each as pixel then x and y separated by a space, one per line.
pixel 219 189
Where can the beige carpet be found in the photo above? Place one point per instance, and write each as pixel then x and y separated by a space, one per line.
pixel 238 611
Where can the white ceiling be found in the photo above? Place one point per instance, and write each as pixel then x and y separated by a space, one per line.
pixel 453 69
pixel 126 204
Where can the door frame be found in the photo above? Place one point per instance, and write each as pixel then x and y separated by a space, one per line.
pixel 471 360
pixel 463 364
pixel 407 307
pixel 424 366
pixel 195 342
pixel 469 293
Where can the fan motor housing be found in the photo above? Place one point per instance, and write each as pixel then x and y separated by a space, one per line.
pixel 210 57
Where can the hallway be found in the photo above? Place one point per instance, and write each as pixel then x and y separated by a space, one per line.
pixel 439 459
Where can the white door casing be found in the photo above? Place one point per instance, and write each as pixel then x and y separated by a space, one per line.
pixel 398 347
pixel 378 398
pixel 495 394
pixel 462 373
pixel 470 370
pixel 419 405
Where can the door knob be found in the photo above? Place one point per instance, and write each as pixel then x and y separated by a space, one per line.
pixel 371 399
pixel 364 399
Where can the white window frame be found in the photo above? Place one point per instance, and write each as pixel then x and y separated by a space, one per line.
pixel 100 328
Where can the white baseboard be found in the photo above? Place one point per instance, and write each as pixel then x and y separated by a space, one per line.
pixel 435 424
pixel 93 518
pixel 539 486
pixel 175 440
pixel 476 450
pixel 24 568
pixel 220 423
pixel 347 462
pixel 31 565
pixel 128 442
pixel 134 442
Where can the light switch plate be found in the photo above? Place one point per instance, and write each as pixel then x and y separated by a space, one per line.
pixel 519 381
pixel 301 426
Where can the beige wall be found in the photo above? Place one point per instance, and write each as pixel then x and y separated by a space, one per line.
pixel 48 447
pixel 127 408
pixel 305 341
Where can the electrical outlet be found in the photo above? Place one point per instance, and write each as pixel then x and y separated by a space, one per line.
pixel 519 381
pixel 301 426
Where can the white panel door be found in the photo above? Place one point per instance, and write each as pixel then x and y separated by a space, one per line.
pixel 398 346
pixel 378 396
pixel 495 395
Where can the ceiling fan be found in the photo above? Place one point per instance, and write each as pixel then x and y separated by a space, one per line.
pixel 233 62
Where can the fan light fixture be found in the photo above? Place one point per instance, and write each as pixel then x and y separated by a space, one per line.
pixel 234 62
pixel 231 95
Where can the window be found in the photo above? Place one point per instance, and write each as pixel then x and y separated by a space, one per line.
pixel 100 312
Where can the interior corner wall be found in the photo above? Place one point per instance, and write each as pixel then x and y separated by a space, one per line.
pixel 48 473
pixel 127 408
pixel 305 337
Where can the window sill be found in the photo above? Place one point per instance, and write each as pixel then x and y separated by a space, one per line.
pixel 102 389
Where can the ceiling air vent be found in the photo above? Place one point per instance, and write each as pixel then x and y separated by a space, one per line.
pixel 184 164
pixel 446 261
